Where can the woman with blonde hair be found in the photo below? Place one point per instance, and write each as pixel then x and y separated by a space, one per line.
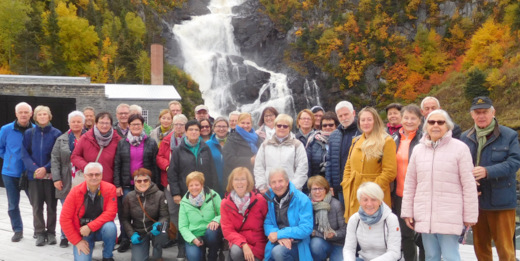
pixel 165 127
pixel 371 158
pixel 243 213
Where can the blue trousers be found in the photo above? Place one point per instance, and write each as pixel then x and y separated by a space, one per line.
pixel 13 201
pixel 212 240
pixel 107 234
pixel 281 253
pixel 437 245
pixel 321 249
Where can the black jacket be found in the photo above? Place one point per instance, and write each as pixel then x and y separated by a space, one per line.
pixel 183 162
pixel 122 175
pixel 237 153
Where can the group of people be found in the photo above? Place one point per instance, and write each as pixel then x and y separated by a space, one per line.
pixel 343 186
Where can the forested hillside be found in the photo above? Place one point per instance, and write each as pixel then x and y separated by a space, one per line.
pixel 380 51
pixel 107 40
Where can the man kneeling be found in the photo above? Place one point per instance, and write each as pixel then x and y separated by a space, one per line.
pixel 289 220
pixel 88 214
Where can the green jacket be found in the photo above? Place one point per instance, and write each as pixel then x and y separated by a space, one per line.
pixel 193 221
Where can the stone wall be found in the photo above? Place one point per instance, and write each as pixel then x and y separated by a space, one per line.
pixel 85 95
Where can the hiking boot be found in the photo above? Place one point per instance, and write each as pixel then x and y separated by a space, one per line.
pixel 17 237
pixel 51 239
pixel 64 243
pixel 124 246
pixel 40 240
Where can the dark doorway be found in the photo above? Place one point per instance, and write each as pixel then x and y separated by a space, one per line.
pixel 60 108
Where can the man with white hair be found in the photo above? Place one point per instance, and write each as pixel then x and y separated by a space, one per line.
pixel 429 104
pixel 122 114
pixel 496 156
pixel 11 137
pixel 233 120
pixel 339 145
pixel 88 214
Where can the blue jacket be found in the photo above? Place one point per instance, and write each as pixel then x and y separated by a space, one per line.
pixel 501 158
pixel 339 145
pixel 218 158
pixel 300 215
pixel 37 147
pixel 10 150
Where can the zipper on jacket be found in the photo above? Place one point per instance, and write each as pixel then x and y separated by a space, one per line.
pixel 41 148
pixel 431 197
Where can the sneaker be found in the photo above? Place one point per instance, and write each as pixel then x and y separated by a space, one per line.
pixel 64 243
pixel 124 246
pixel 40 240
pixel 51 239
pixel 17 237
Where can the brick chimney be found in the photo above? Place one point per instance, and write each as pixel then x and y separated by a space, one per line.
pixel 157 64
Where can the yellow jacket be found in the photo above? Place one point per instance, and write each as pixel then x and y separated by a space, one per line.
pixel 358 170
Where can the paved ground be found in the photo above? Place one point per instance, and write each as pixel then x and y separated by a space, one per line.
pixel 26 250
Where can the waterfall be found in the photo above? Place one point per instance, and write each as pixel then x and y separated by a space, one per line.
pixel 214 61
pixel 311 91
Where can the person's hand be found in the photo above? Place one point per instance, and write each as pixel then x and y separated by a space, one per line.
pixel 58 185
pixel 136 239
pixel 156 231
pixel 84 230
pixel 468 224
pixel 177 199
pixel 39 173
pixel 479 172
pixel 313 233
pixel 286 242
pixel 253 160
pixel 409 222
pixel 332 192
pixel 478 185
pixel 197 242
pixel 119 192
pixel 248 253
pixel 263 191
pixel 273 237
pixel 83 247
pixel 213 225
pixel 330 234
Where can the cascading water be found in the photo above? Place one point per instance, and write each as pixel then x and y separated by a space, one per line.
pixel 214 62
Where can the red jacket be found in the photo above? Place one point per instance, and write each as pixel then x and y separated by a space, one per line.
pixel 163 158
pixel 73 210
pixel 252 231
pixel 87 151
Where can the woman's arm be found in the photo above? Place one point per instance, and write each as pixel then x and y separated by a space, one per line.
pixel 349 250
pixel 393 240
pixel 388 164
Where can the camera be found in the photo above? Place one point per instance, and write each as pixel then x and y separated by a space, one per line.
pixel 84 221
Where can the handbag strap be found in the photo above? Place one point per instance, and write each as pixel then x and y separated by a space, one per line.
pixel 141 204
pixel 99 154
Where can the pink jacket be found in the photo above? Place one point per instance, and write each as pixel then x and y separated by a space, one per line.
pixel 440 192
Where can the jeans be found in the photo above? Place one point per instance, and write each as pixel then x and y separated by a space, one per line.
pixel 437 245
pixel 62 200
pixel 321 249
pixel 281 253
pixel 126 190
pixel 13 200
pixel 107 234
pixel 237 254
pixel 141 251
pixel 212 240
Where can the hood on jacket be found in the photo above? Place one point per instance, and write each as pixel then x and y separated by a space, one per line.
pixel 444 140
pixel 287 142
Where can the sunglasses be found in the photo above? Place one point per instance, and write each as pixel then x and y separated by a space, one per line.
pixel 204 127
pixel 139 181
pixel 282 126
pixel 328 125
pixel 432 122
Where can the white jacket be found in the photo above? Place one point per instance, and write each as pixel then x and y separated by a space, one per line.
pixel 372 238
pixel 289 155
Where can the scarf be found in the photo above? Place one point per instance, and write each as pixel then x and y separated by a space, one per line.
pixel 393 129
pixel 72 139
pixel 321 215
pixel 242 203
pixel 164 132
pixel 175 141
pixel 251 137
pixel 135 140
pixel 321 136
pixel 482 137
pixel 194 148
pixel 371 219
pixel 224 140
pixel 198 200
pixel 103 139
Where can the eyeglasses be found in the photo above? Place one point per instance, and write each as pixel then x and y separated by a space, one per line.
pixel 305 119
pixel 318 189
pixel 280 126
pixel 221 127
pixel 136 125
pixel 178 125
pixel 432 122
pixel 103 123
pixel 91 175
pixel 205 127
pixel 331 125
pixel 123 113
pixel 139 181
